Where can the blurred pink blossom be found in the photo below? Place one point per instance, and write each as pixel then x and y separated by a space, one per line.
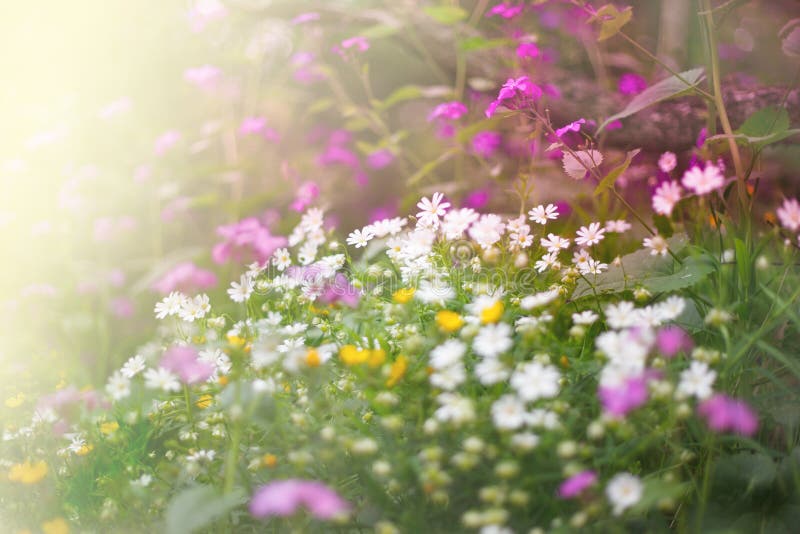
pixel 724 414
pixel 184 362
pixel 619 401
pixel 165 141
pixel 245 241
pixel 284 498
pixel 574 485
pixel 186 277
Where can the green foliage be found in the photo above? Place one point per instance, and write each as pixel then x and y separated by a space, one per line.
pixel 197 507
pixel 667 88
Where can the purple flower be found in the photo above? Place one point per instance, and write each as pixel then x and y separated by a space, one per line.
pixel 631 84
pixel 357 43
pixel 340 290
pixel 529 50
pixel 574 485
pixel 282 498
pixel 477 199
pixel 183 361
pixel 574 126
pixel 619 401
pixel 506 10
pixel 724 414
pixel 514 93
pixel 486 143
pixel 671 340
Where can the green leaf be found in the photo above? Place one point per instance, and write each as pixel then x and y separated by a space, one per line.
pixel 611 20
pixel 765 122
pixel 472 44
pixel 744 473
pixel 446 14
pixel 430 166
pixel 692 271
pixel 401 94
pixel 657 489
pixel 198 506
pixel 380 31
pixel 657 274
pixel 663 90
pixel 610 178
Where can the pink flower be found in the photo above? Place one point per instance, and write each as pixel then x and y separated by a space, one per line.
pixel 619 401
pixel 380 158
pixel 631 84
pixel 671 340
pixel 571 127
pixel 340 291
pixel 302 18
pixel 358 43
pixel 204 76
pixel 449 111
pixel 205 11
pixel 724 414
pixel 665 197
pixel 306 194
pixel 184 362
pixel 186 277
pixel 122 307
pixel 166 141
pixel 252 125
pixel 477 199
pixel 486 143
pixel 506 10
pixel 574 485
pixel 245 241
pixel 283 498
pixel 515 93
pixel 667 162
pixel 529 50
pixel 703 181
pixel 789 214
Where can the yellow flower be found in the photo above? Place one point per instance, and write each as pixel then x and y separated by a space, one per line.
pixel 448 321
pixel 404 295
pixel 397 371
pixel 312 358
pixel 351 355
pixel 204 401
pixel 376 357
pixel 16 400
pixel 223 380
pixel 108 427
pixel 28 473
pixel 236 341
pixel 492 313
pixel 55 526
pixel 84 450
pixel 269 460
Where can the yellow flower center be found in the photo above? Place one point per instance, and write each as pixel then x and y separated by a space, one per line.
pixel 448 321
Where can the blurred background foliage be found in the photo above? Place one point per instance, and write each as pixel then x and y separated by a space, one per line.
pixel 91 216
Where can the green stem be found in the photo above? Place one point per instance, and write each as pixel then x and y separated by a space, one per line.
pixel 708 23
pixel 186 398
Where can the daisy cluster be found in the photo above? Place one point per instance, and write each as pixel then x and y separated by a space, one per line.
pixel 321 362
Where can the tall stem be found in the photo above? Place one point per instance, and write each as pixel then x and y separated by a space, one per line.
pixel 708 22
